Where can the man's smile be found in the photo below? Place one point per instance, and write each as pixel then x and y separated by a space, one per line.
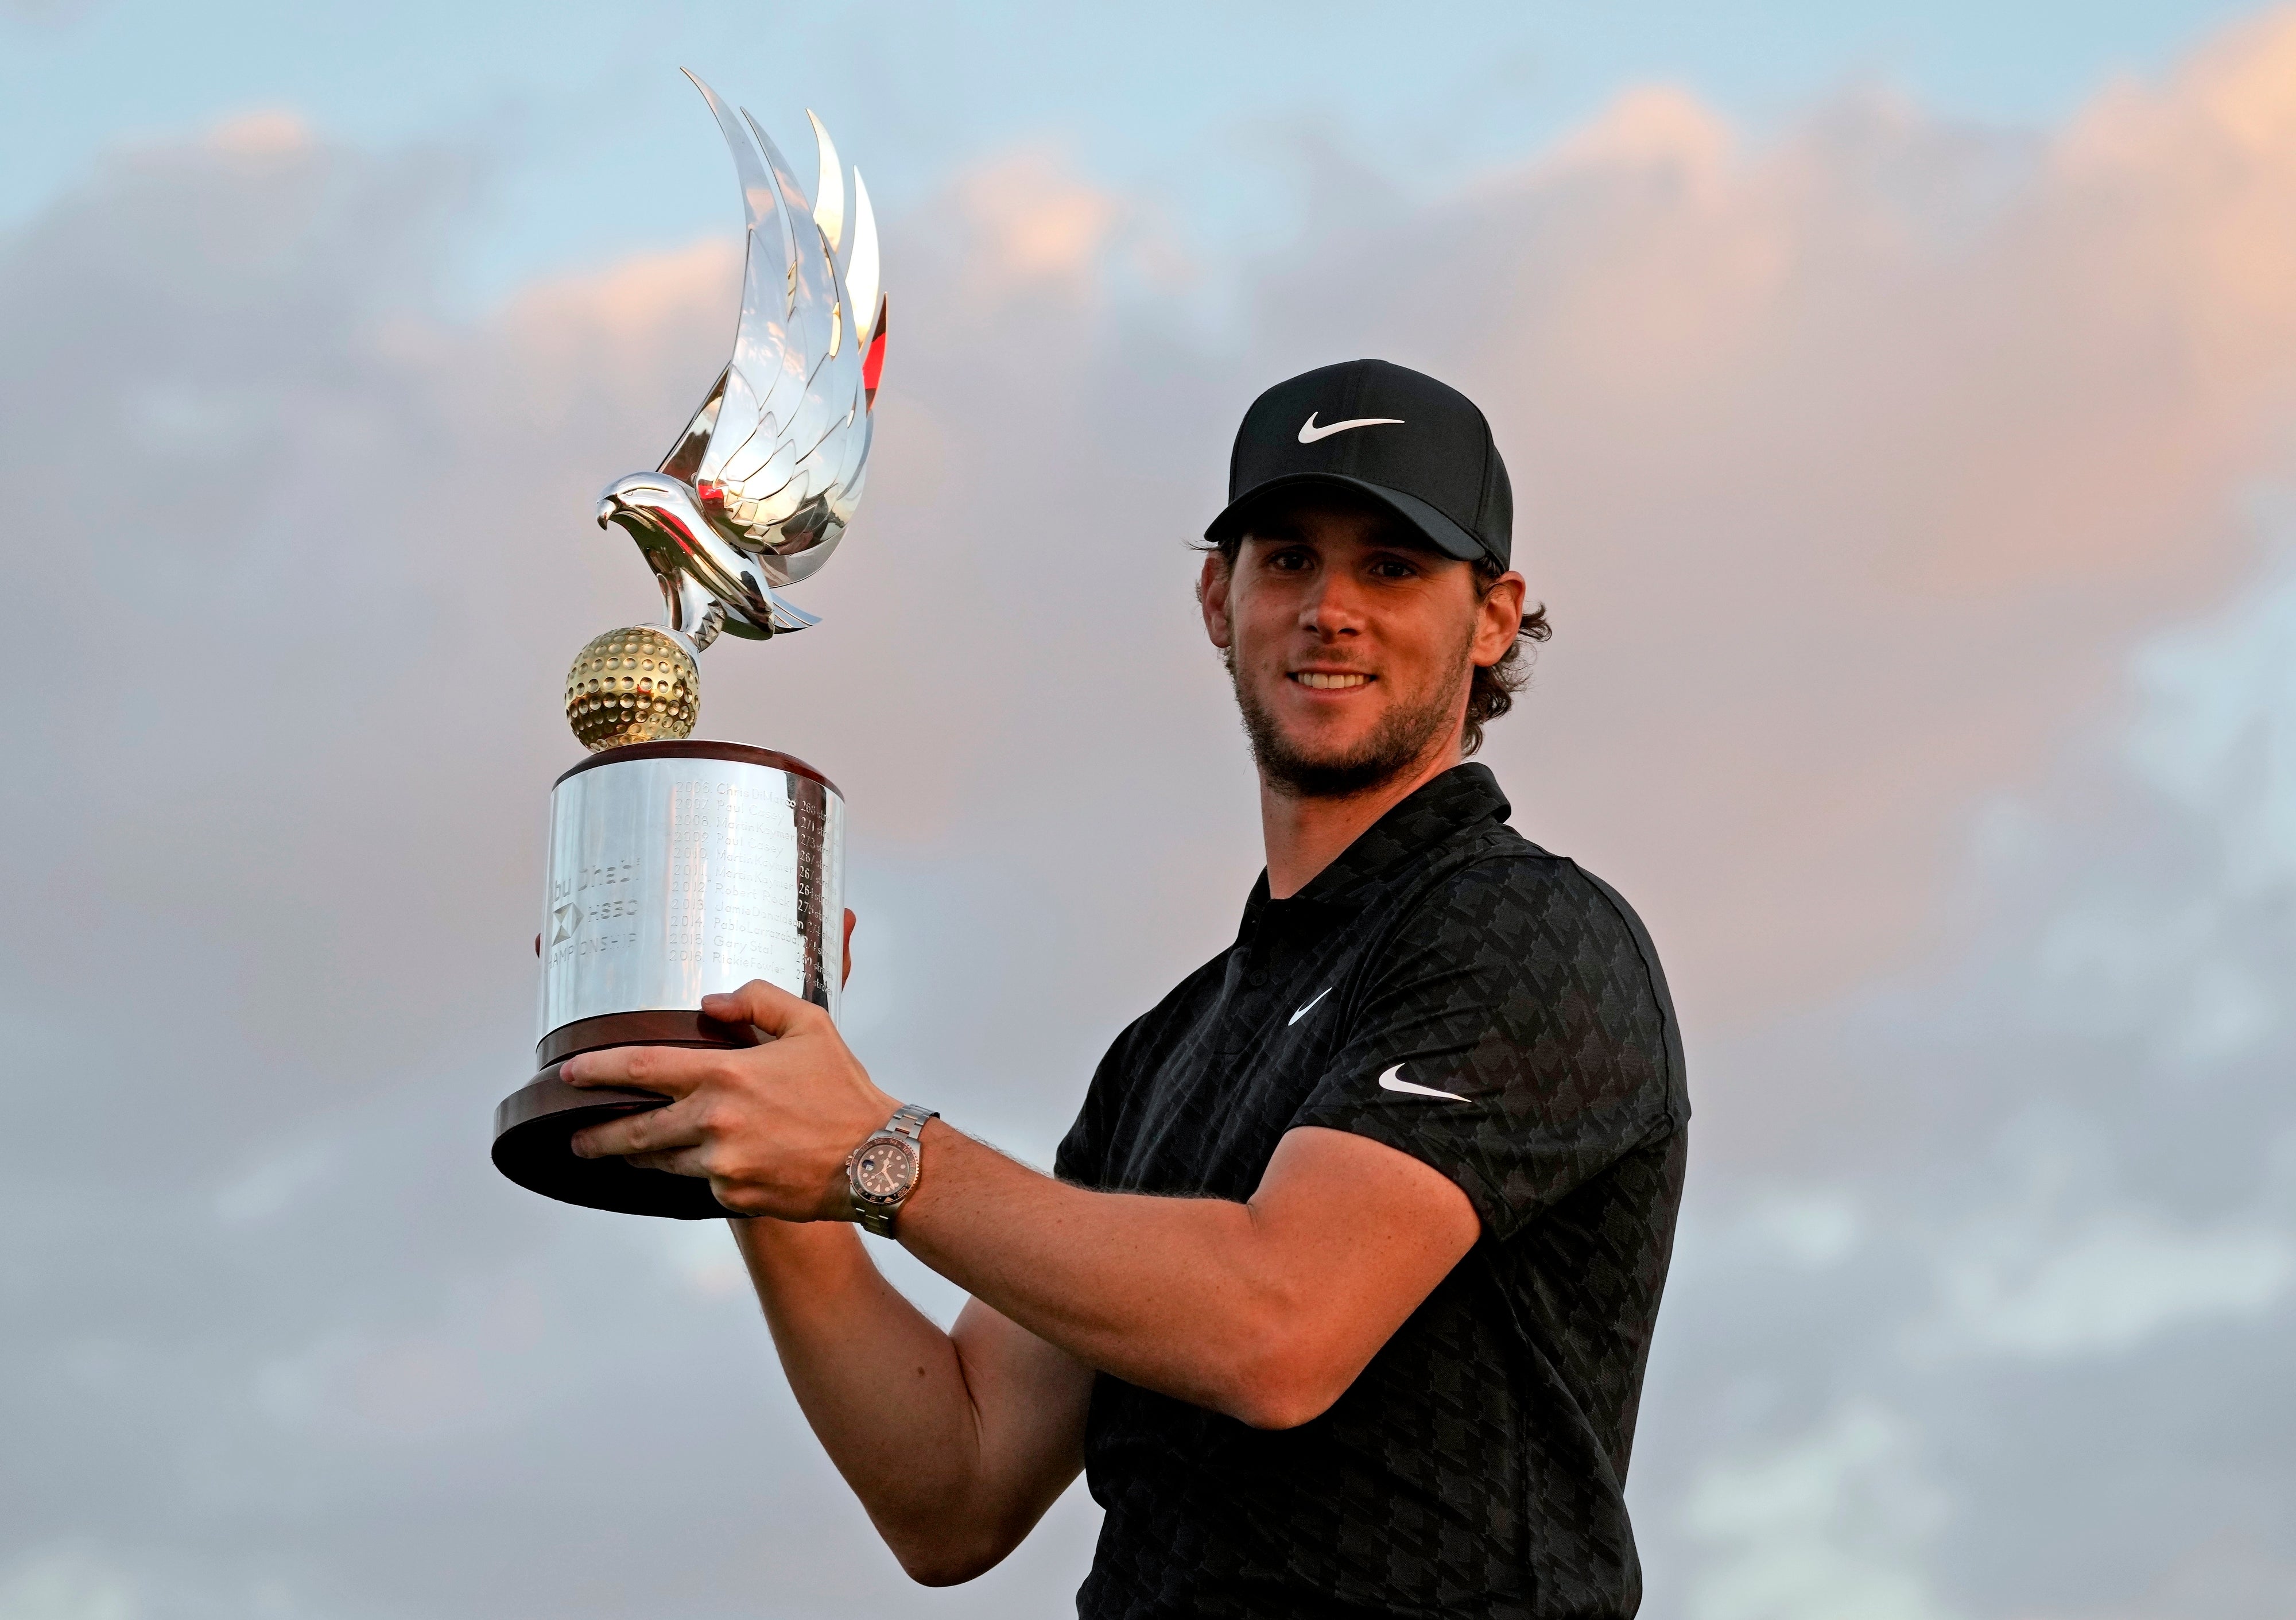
pixel 1329 680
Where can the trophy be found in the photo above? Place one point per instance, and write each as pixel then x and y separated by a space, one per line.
pixel 681 867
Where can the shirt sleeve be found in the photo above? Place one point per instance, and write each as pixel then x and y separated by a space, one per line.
pixel 1078 1159
pixel 1082 1158
pixel 1516 1034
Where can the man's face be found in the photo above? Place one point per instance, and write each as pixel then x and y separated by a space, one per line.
pixel 1351 643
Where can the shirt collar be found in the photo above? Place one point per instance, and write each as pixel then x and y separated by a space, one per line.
pixel 1460 798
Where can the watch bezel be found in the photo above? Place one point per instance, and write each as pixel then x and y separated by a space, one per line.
pixel 910 1158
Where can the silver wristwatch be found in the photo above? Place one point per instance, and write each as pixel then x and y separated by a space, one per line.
pixel 881 1172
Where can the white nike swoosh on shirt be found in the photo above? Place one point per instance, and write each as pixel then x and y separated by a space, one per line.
pixel 1310 1007
pixel 1309 432
pixel 1388 1082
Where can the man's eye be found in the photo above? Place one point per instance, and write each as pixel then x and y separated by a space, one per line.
pixel 1291 562
pixel 1393 568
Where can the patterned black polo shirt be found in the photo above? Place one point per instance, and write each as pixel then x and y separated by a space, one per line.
pixel 1451 990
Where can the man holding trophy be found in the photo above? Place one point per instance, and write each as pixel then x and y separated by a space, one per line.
pixel 1342 1292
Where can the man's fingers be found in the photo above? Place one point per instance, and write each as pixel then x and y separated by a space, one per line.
pixel 768 1007
pixel 672 1071
pixel 685 1162
pixel 657 1130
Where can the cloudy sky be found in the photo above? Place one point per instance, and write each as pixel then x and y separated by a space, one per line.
pixel 1902 406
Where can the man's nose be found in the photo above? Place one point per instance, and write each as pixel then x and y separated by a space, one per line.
pixel 1332 608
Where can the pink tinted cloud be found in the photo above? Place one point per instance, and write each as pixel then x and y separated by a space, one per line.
pixel 1848 464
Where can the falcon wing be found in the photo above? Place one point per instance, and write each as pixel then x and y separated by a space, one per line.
pixel 775 454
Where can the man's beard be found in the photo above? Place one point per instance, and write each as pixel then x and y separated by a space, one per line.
pixel 1399 741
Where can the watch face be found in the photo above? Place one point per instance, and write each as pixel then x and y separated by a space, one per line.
pixel 885 1168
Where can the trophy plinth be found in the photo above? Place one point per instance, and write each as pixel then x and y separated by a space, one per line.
pixel 677 870
pixel 533 1123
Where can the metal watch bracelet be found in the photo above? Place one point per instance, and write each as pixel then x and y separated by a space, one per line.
pixel 892 1158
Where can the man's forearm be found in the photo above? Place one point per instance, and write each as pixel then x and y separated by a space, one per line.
pixel 888 1393
pixel 878 1381
pixel 1266 1310
pixel 1212 1302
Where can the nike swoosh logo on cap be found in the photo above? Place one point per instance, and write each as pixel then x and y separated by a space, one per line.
pixel 1310 1007
pixel 1309 432
pixel 1389 1082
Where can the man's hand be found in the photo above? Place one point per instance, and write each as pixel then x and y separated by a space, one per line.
pixel 770 1126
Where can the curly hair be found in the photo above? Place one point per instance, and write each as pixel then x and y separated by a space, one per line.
pixel 1492 692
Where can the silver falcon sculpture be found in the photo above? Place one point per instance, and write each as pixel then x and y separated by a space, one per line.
pixel 760 486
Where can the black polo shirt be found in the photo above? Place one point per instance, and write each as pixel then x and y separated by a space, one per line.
pixel 1453 990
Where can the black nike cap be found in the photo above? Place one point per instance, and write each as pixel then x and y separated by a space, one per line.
pixel 1413 446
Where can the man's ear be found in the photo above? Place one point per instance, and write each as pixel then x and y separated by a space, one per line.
pixel 1211 595
pixel 1497 617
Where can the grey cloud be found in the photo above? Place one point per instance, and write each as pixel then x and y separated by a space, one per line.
pixel 2035 1262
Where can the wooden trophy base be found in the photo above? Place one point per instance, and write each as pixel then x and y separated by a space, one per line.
pixel 533 1124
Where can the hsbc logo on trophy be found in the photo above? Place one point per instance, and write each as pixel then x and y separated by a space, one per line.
pixel 586 900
